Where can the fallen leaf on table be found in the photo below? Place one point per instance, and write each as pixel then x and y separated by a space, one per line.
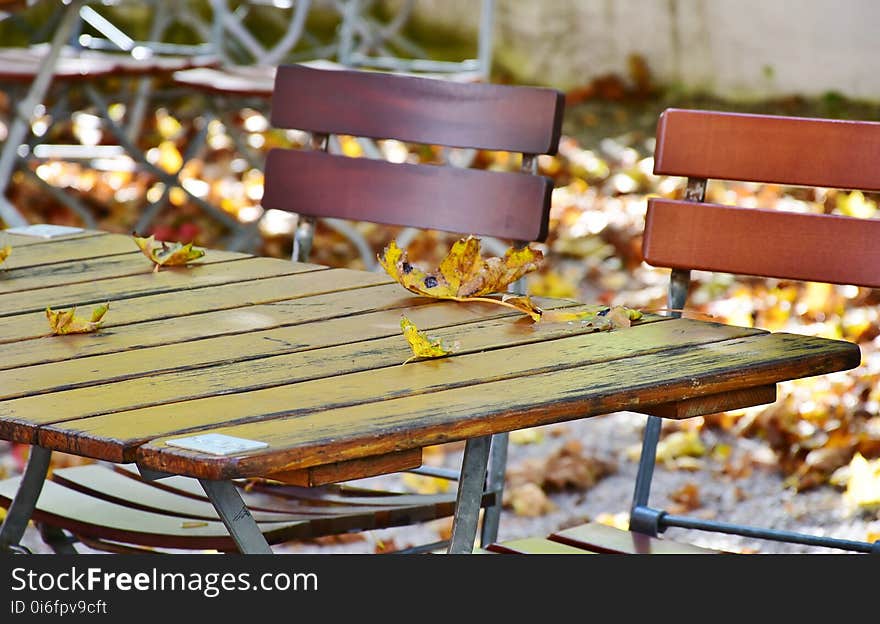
pixel 524 304
pixel 422 345
pixel 165 254
pixel 463 275
pixel 66 321
pixel 4 253
pixel 606 319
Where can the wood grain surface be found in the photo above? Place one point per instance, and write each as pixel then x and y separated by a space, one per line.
pixel 309 360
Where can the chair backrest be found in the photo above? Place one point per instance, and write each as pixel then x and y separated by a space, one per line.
pixel 511 205
pixel 692 234
pixel 795 151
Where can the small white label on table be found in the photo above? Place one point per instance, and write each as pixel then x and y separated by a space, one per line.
pixel 44 230
pixel 217 444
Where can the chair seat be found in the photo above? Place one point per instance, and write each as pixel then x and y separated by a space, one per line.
pixel 105 506
pixel 593 538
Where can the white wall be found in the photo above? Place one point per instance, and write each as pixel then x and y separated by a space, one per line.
pixel 735 48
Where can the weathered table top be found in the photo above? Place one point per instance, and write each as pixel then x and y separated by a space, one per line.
pixel 307 359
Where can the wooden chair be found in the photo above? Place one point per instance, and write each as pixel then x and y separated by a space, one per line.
pixel 116 509
pixel 691 234
pixel 507 205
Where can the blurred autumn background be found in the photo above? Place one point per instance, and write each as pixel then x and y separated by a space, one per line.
pixel 822 434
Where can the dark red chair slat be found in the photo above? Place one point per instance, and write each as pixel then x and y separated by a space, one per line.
pixel 501 204
pixel 419 110
pixel 610 540
pixel 769 243
pixel 766 148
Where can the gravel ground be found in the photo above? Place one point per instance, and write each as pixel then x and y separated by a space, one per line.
pixel 759 497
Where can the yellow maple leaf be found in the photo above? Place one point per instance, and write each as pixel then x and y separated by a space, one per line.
pixel 464 275
pixel 605 319
pixel 66 321
pixel 423 346
pixel 4 253
pixel 165 254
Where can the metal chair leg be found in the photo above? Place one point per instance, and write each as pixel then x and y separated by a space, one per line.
pixel 470 493
pixel 495 483
pixel 642 518
pixel 19 513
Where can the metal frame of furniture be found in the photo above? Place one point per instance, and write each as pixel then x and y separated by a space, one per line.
pixel 692 234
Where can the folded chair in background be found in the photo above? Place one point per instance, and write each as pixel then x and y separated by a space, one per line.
pixel 90 72
pixel 246 77
pixel 115 508
pixel 365 43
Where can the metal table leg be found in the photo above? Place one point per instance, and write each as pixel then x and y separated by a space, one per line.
pixel 237 517
pixel 19 513
pixel 470 494
pixel 495 482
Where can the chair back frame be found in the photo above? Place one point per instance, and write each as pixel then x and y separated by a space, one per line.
pixel 693 234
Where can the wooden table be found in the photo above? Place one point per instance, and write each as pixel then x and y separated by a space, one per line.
pixel 306 360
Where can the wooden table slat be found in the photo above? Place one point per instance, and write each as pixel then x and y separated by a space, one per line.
pixel 169 306
pixel 287 335
pixel 90 270
pixel 23 240
pixel 313 364
pixel 453 414
pixel 66 250
pixel 114 435
pixel 177 279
